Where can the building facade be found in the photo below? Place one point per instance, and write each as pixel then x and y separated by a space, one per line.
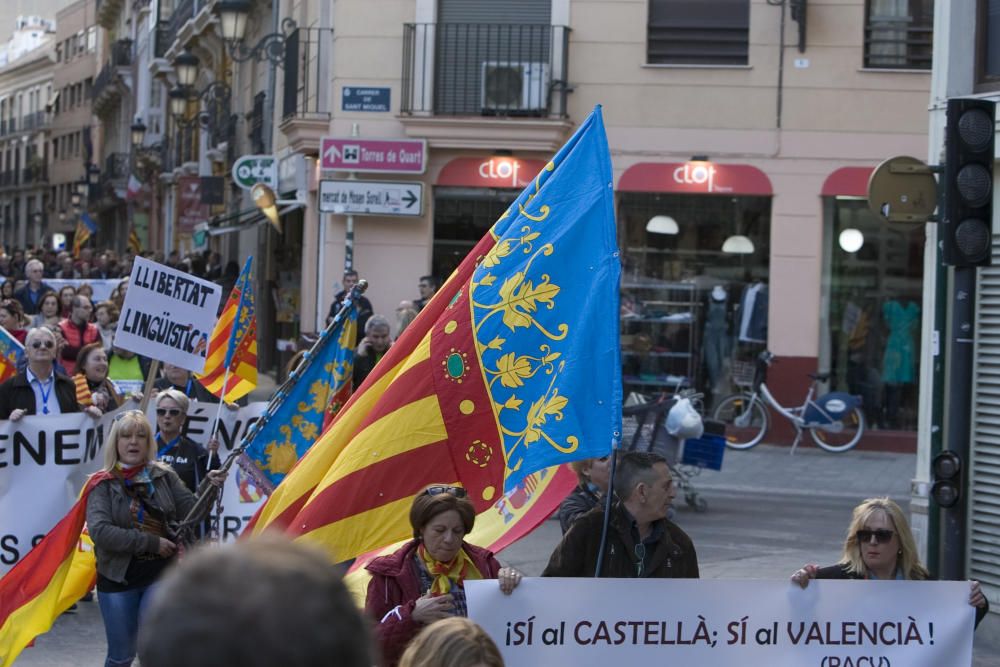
pixel 26 93
pixel 71 134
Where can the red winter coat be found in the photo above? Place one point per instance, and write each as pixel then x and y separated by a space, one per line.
pixel 76 337
pixel 393 592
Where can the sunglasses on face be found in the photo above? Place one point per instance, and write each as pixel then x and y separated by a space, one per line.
pixel 882 536
pixel 163 412
pixel 456 491
pixel 47 344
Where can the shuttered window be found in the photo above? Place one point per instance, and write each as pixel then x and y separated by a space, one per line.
pixel 984 475
pixel 698 32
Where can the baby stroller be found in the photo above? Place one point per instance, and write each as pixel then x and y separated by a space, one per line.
pixel 644 430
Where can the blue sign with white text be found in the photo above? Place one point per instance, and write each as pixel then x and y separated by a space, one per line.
pixel 364 99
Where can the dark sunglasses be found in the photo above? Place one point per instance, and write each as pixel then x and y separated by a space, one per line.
pixel 46 344
pixel 163 412
pixel 456 491
pixel 882 536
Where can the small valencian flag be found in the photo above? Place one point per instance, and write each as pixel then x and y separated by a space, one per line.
pixel 231 362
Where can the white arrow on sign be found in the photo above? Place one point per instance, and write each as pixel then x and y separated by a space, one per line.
pixel 371 198
pixel 332 153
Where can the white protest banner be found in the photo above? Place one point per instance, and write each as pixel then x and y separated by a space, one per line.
pixel 726 623
pixel 45 460
pixel 168 315
pixel 102 288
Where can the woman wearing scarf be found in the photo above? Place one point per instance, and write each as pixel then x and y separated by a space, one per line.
pixel 424 580
pixel 92 384
pixel 128 511
pixel 189 460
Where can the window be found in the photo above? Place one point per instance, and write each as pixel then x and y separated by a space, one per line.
pixel 988 46
pixel 698 32
pixel 91 39
pixel 59 53
pixel 899 33
pixel 55 148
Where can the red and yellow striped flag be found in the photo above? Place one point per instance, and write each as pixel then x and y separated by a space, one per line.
pixel 56 573
pixel 231 361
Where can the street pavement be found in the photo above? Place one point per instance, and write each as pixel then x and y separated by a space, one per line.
pixel 767 514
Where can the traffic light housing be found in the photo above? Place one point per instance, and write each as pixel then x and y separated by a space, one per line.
pixel 947 471
pixel 967 218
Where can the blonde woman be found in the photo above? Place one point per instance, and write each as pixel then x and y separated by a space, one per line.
pixel 879 545
pixel 453 642
pixel 128 514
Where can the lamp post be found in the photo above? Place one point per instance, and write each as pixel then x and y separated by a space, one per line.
pixel 233 16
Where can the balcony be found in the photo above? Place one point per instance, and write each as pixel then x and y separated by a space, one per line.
pixel 477 85
pixel 8 178
pixel 121 53
pixel 37 175
pixel 108 12
pixel 110 84
pixel 305 114
pixel 34 121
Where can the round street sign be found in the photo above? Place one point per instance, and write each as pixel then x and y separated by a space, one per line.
pixel 902 189
pixel 252 169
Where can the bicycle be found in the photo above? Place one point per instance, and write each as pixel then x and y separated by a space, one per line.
pixel 834 421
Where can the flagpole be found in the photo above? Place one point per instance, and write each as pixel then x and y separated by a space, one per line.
pixel 208 493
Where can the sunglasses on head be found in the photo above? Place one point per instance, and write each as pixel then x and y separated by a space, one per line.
pixel 163 412
pixel 882 536
pixel 43 343
pixel 456 491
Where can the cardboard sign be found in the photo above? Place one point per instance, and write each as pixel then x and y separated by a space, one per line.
pixel 168 315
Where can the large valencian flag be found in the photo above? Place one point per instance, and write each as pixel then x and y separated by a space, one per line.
pixel 513 366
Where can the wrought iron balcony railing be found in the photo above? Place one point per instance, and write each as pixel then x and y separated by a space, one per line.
pixel 305 50
pixel 485 69
pixel 899 42
pixel 121 53
pixel 183 12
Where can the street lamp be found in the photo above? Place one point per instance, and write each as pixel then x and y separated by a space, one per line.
pixel 178 100
pixel 138 132
pixel 186 66
pixel 82 187
pixel 75 199
pixel 233 24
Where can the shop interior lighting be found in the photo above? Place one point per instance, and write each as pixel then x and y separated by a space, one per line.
pixel 737 244
pixel 851 240
pixel 662 224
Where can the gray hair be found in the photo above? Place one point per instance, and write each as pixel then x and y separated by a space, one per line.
pixel 376 321
pixel 633 469
pixel 177 396
pixel 38 331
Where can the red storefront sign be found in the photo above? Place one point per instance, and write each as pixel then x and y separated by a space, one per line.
pixel 847 182
pixel 696 177
pixel 489 172
pixel 190 210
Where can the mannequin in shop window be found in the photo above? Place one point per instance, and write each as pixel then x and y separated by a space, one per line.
pixel 860 329
pixel 716 342
pixel 899 361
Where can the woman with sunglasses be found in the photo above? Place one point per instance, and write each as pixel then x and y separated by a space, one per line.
pixel 190 461
pixel 424 580
pixel 128 514
pixel 879 545
pixel 92 384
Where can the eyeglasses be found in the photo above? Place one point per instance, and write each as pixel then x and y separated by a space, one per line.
pixel 163 412
pixel 882 536
pixel 46 344
pixel 120 415
pixel 456 491
pixel 640 554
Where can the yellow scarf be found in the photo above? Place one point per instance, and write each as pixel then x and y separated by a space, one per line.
pixel 450 574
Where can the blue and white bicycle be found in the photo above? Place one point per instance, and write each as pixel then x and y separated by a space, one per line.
pixel 834 421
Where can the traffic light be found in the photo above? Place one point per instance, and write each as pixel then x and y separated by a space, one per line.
pixel 968 183
pixel 947 470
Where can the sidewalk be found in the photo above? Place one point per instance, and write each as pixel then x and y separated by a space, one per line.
pixel 771 469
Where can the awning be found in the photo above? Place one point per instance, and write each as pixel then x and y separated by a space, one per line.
pixel 695 177
pixel 489 172
pixel 847 182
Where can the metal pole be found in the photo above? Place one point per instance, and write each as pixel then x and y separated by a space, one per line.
pixel 953 520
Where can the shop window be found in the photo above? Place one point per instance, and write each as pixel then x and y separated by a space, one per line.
pixel 698 32
pixel 988 46
pixel 870 328
pixel 899 34
pixel 462 216
pixel 693 315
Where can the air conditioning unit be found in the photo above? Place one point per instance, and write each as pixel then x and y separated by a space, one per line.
pixel 514 86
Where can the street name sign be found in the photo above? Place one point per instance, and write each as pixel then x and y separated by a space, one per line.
pixel 371 198
pixel 360 98
pixel 390 156
pixel 250 170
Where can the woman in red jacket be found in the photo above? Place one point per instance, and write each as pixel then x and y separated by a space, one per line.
pixel 424 580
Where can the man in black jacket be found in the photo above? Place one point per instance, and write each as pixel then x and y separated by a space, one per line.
pixel 31 294
pixel 364 306
pixel 641 542
pixel 39 389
